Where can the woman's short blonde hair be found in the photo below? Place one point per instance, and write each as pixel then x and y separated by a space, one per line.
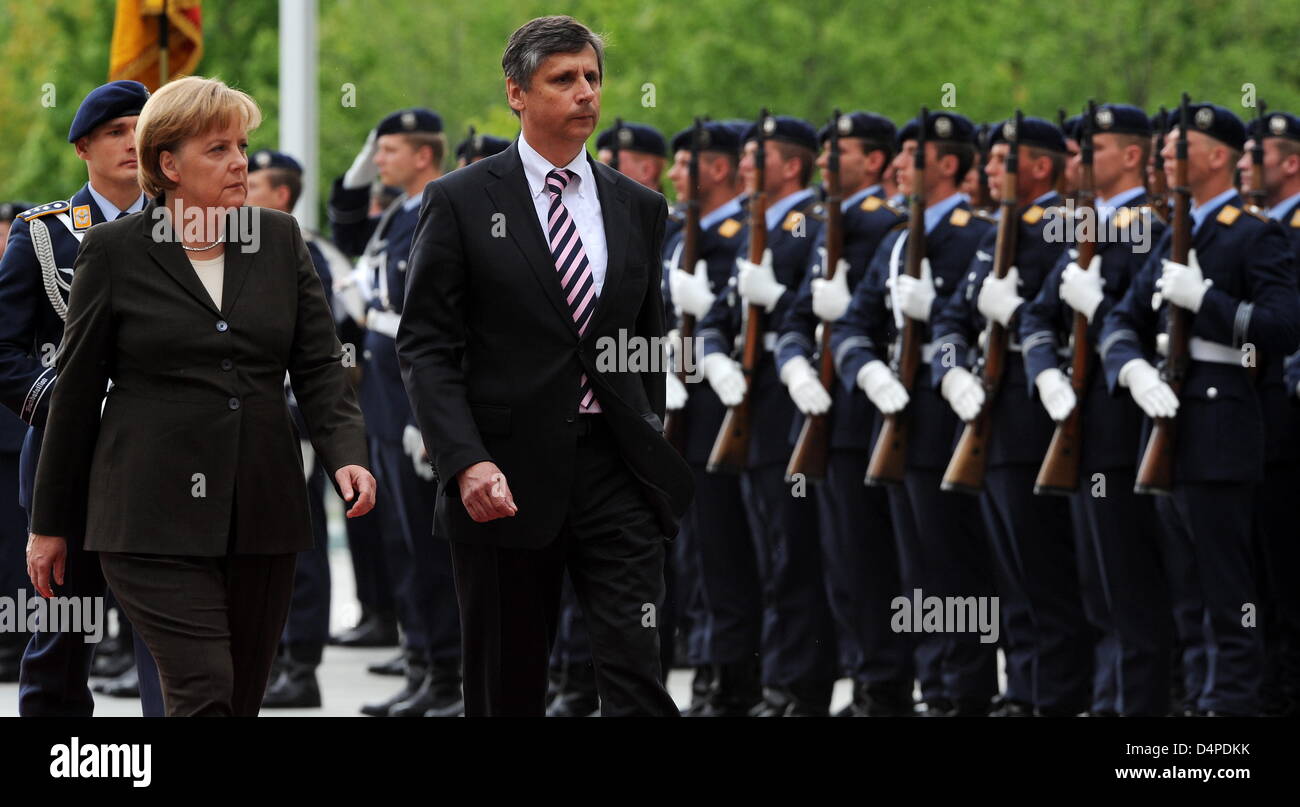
pixel 180 110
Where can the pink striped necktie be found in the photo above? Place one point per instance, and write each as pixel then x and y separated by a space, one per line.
pixel 571 262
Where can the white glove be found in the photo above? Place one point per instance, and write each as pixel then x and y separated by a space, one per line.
pixel 1183 285
pixel 880 385
pixel 1152 394
pixel 830 298
pixel 999 298
pixel 806 389
pixel 676 393
pixel 691 292
pixel 963 392
pixel 726 378
pixel 756 282
pixel 363 170
pixel 915 296
pixel 1055 393
pixel 1081 288
pixel 413 444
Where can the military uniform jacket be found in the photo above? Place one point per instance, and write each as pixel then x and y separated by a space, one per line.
pixel 1112 424
pixel 867 330
pixel 1279 375
pixel 1252 299
pixel 1021 429
pixel 852 417
pixel 195 446
pixel 719 245
pixel 721 330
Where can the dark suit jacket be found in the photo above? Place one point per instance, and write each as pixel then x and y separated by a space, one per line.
pixel 196 438
pixel 491 357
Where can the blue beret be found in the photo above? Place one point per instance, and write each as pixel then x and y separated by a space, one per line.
pixel 1121 119
pixel 1034 132
pixel 10 210
pixel 1160 122
pixel 1277 124
pixel 267 158
pixel 718 136
pixel 864 125
pixel 116 99
pixel 1072 126
pixel 1213 120
pixel 634 137
pixel 484 145
pixel 787 129
pixel 946 126
pixel 405 121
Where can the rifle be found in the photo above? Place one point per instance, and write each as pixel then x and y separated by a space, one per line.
pixel 470 146
pixel 1159 185
pixel 965 471
pixel 814 443
pixel 1258 196
pixel 617 142
pixel 983 200
pixel 889 455
pixel 1156 471
pixel 1060 122
pixel 1060 470
pixel 674 429
pixel 730 452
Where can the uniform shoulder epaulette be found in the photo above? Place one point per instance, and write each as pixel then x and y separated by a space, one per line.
pixel 1295 218
pixel 729 227
pixel 1258 213
pixel 43 210
pixel 960 217
pixel 1228 215
pixel 1033 215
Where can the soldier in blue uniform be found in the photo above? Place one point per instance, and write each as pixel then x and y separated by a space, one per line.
pixel 714 541
pixel 1049 657
pixel 859 556
pixel 35 277
pixel 1117 534
pixel 13 521
pixel 1278 394
pixel 941 542
pixel 406 149
pixel 477 146
pixel 1239 286
pixel 798 650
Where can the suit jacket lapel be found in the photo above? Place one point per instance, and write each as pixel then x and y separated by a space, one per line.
pixel 614 212
pixel 167 253
pixel 512 197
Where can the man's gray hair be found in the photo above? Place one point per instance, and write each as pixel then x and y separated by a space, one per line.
pixel 533 41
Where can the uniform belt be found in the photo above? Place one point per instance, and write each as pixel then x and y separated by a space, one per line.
pixel 769 341
pixel 1205 350
pixel 384 322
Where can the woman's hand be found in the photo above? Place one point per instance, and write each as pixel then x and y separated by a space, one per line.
pixel 46 554
pixel 356 483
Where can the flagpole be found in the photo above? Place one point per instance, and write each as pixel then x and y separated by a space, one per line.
pixel 163 30
pixel 299 114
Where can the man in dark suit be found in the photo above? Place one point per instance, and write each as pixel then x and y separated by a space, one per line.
pixel 525 267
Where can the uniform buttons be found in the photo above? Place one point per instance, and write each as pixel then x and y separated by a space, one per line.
pixel 366 354
pixel 938 282
pixel 226 364
pixel 233 403
pixel 222 325
pixel 1212 392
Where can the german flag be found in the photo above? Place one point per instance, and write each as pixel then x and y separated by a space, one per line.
pixel 138 42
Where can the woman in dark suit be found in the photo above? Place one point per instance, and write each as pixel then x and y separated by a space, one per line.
pixel 190 486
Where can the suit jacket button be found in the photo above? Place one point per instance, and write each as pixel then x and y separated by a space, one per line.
pixel 569 420
pixel 233 403
pixel 1212 392
pixel 222 325
pixel 227 364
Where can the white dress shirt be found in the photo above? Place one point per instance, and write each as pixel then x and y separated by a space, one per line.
pixel 580 197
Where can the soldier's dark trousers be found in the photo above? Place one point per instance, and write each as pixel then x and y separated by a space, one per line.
pixel 927 648
pixel 728 568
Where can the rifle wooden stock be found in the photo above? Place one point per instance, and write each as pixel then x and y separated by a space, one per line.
pixel 1059 472
pixel 1156 470
pixel 674 425
pixel 812 449
pixel 730 452
pixel 966 468
pixel 889 455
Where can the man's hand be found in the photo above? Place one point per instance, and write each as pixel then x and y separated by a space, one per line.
pixel 1056 394
pixel 915 296
pixel 831 298
pixel 1081 288
pixel 963 392
pixel 363 170
pixel 1152 394
pixel 806 389
pixel 1000 297
pixel 46 555
pixel 881 387
pixel 757 283
pixel 1183 284
pixel 726 378
pixel 484 492
pixel 356 483
pixel 691 292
